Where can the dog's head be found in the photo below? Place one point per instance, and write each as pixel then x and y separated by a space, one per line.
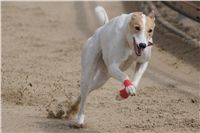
pixel 141 29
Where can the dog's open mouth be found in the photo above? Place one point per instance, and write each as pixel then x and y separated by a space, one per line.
pixel 138 50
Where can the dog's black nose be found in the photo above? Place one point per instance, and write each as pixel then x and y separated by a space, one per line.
pixel 142 45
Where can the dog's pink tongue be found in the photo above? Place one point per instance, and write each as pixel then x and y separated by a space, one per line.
pixel 139 51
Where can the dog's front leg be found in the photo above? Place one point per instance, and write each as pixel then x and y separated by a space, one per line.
pixel 139 71
pixel 116 73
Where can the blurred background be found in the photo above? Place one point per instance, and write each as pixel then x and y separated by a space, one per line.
pixel 41 49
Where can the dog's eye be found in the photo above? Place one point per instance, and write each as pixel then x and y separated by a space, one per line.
pixel 137 28
pixel 150 30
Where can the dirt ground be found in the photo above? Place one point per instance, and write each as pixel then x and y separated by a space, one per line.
pixel 41 46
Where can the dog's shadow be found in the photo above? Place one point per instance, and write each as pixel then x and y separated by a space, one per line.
pixel 61 126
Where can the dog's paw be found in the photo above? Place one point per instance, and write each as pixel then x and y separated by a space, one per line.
pixel 131 90
pixel 125 93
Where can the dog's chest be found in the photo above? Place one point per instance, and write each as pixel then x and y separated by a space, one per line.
pixel 146 55
pixel 126 64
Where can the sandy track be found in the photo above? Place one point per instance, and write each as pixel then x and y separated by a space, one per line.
pixel 41 45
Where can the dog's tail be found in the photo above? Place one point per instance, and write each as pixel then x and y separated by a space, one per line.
pixel 101 15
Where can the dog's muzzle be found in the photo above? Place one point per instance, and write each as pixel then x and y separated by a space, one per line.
pixel 141 47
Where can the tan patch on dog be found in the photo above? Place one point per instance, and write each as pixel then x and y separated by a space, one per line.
pixel 136 22
pixel 150 24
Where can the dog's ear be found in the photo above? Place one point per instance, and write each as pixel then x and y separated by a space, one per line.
pixel 152 15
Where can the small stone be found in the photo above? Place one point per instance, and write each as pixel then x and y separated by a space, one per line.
pixel 139 108
pixel 30 85
pixel 193 100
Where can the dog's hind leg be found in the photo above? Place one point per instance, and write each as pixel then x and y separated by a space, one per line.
pixel 81 116
pixel 98 78
pixel 89 59
pixel 84 89
pixel 73 109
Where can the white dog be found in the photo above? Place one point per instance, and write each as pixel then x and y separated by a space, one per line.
pixel 111 50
